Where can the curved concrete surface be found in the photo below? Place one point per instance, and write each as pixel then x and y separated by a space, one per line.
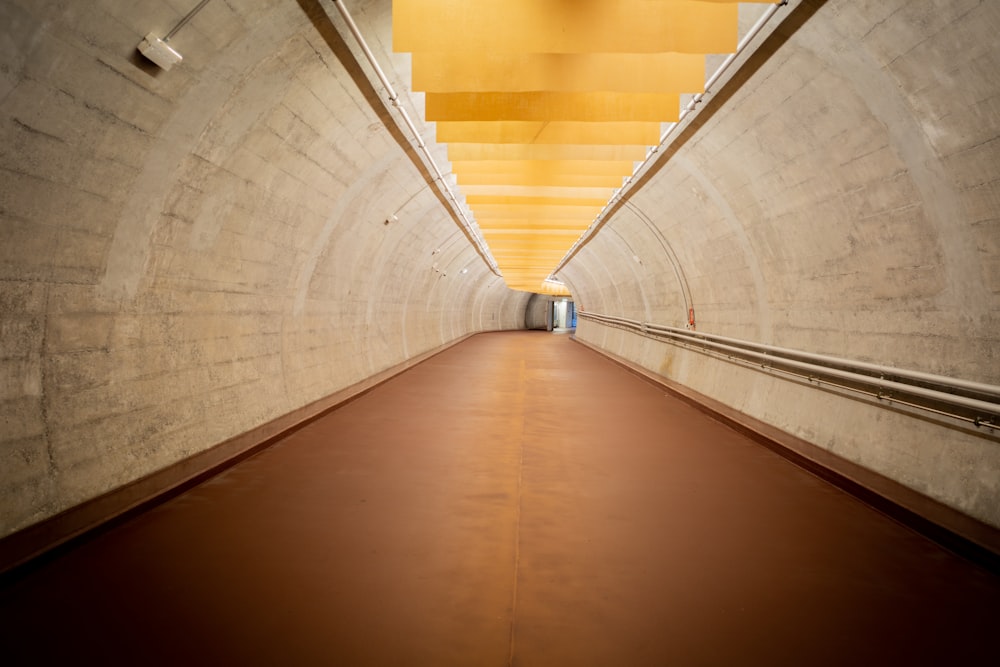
pixel 843 200
pixel 516 499
pixel 186 255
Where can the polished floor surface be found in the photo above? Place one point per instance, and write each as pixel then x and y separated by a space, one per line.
pixel 517 499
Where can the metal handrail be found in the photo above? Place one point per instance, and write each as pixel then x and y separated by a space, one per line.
pixel 918 376
pixel 952 391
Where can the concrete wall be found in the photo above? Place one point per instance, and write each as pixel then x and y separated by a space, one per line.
pixel 846 200
pixel 185 255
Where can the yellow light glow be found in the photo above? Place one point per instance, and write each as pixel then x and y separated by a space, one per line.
pixel 475 152
pixel 554 132
pixel 556 180
pixel 547 105
pixel 577 173
pixel 551 290
pixel 536 224
pixel 599 107
pixel 539 191
pixel 582 167
pixel 490 200
pixel 492 72
pixel 551 214
pixel 560 26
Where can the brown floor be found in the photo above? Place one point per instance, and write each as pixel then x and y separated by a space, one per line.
pixel 520 500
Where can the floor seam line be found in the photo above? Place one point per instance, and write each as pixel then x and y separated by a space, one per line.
pixel 517 521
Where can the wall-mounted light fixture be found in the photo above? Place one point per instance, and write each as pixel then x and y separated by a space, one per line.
pixel 159 51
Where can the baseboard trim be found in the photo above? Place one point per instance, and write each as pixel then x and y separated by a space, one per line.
pixel 38 542
pixel 959 533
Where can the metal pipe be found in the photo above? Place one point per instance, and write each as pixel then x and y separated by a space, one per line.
pixel 353 27
pixel 811 379
pixel 889 385
pixel 394 98
pixel 781 355
pixel 918 376
pixel 184 21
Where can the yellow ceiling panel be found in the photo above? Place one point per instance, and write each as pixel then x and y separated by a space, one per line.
pixel 529 280
pixel 598 107
pixel 531 242
pixel 546 180
pixel 491 71
pixel 562 26
pixel 513 248
pixel 528 262
pixel 523 253
pixel 548 132
pixel 541 224
pixel 473 152
pixel 525 256
pixel 526 274
pixel 525 278
pixel 530 284
pixel 541 264
pixel 492 200
pixel 553 214
pixel 530 234
pixel 589 167
pixel 540 172
pixel 543 288
pixel 538 191
pixel 547 105
pixel 533 247
pixel 552 290
pixel 530 270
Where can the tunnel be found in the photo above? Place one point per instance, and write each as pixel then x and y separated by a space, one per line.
pixel 280 387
